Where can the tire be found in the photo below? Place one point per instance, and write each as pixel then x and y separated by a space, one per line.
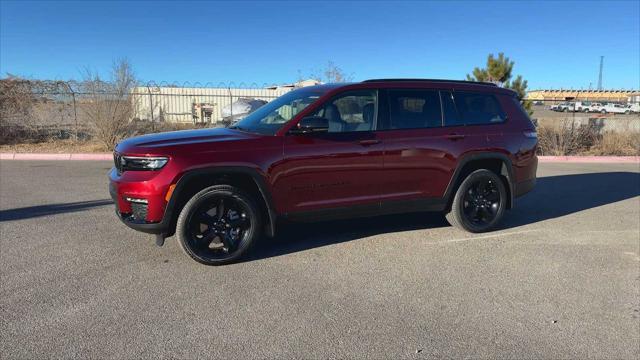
pixel 229 232
pixel 603 111
pixel 460 214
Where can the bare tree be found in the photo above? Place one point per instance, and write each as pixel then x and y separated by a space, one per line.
pixel 109 107
pixel 332 73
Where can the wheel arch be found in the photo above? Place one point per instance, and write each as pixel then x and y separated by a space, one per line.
pixel 246 178
pixel 494 161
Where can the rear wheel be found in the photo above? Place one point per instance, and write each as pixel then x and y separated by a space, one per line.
pixel 479 202
pixel 218 225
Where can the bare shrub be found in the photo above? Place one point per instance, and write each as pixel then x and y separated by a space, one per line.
pixel 16 100
pixel 108 106
pixel 566 138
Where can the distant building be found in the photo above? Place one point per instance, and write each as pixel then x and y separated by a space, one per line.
pixel 198 105
pixel 591 95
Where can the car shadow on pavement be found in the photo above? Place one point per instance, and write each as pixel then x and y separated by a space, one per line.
pixel 50 209
pixel 553 196
pixel 556 196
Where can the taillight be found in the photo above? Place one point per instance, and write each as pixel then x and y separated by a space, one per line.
pixel 530 134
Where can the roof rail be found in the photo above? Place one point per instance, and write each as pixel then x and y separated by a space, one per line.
pixel 433 80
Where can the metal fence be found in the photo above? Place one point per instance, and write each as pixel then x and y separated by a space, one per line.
pixel 62 109
pixel 619 114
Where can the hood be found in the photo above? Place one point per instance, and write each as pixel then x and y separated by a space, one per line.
pixel 151 142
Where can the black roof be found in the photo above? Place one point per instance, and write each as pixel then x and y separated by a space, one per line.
pixel 432 80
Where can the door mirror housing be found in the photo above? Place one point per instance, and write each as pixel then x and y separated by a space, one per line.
pixel 311 124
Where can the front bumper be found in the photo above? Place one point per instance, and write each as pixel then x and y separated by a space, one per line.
pixel 151 217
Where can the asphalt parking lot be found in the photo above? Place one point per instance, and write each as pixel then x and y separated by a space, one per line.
pixel 560 279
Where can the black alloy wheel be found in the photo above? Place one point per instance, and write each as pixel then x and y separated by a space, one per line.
pixel 218 225
pixel 479 202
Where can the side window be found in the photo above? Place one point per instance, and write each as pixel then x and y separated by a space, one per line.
pixel 351 111
pixel 414 109
pixel 451 116
pixel 476 108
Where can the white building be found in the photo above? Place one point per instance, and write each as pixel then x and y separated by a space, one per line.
pixel 197 105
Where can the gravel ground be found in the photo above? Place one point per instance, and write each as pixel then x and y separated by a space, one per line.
pixel 560 279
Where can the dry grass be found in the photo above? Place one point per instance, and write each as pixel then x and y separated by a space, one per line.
pixel 617 144
pixel 55 147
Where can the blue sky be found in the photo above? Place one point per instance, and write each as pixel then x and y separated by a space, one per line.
pixel 554 44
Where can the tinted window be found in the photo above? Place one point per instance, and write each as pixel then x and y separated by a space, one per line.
pixel 412 109
pixel 352 111
pixel 476 108
pixel 451 116
pixel 269 118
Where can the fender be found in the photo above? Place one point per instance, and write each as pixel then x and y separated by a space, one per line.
pixel 170 215
pixel 506 170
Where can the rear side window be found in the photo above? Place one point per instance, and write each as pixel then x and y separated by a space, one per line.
pixel 414 109
pixel 477 108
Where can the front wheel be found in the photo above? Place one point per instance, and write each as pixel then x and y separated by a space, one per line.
pixel 479 202
pixel 218 225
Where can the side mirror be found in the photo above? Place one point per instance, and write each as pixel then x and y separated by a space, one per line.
pixel 311 124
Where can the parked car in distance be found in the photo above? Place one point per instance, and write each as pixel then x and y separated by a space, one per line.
pixel 581 106
pixel 614 109
pixel 563 106
pixel 466 149
pixel 633 108
pixel 595 107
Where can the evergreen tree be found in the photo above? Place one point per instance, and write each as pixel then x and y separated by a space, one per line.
pixel 499 71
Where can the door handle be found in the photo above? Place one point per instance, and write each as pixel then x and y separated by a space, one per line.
pixel 455 137
pixel 369 142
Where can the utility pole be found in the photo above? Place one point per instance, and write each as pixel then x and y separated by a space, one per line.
pixel 600 75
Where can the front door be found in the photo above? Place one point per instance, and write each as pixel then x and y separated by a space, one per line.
pixel 341 168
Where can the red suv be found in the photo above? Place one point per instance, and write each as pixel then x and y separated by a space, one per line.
pixel 339 150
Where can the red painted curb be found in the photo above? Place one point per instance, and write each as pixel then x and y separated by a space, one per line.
pixel 590 159
pixel 108 157
pixel 35 156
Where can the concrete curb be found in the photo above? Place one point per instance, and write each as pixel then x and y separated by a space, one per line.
pixel 109 156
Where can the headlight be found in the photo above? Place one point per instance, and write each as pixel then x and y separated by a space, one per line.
pixel 141 163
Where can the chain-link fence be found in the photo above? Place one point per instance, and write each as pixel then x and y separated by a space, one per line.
pixel 56 109
pixel 32 110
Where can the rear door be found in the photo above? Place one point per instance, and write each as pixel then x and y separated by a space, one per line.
pixel 420 153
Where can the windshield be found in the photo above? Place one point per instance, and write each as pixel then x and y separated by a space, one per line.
pixel 269 118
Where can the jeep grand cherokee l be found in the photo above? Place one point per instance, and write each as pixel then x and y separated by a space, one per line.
pixel 339 150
